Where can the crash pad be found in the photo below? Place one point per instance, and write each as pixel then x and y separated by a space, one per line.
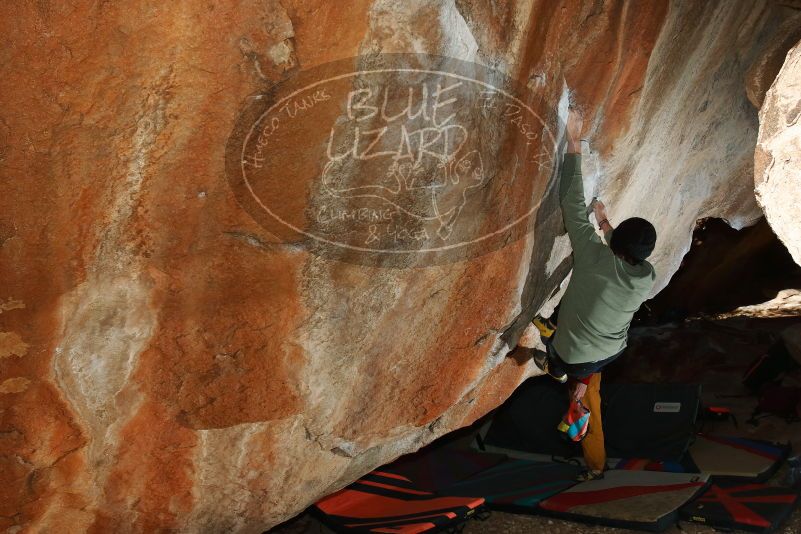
pixel 647 500
pixel 641 464
pixel 725 456
pixel 434 469
pixel 518 485
pixel 386 502
pixel 526 423
pixel 752 507
pixel 655 421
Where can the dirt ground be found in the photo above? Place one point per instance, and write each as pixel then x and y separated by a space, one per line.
pixel 711 352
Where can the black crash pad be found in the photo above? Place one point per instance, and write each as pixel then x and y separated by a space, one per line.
pixel 434 469
pixel 518 485
pixel 655 421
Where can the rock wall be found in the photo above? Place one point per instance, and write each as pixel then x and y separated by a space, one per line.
pixel 777 160
pixel 168 363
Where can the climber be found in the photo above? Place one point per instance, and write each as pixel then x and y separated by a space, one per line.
pixel 607 286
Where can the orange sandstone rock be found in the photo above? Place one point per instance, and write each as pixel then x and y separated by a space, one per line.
pixel 169 363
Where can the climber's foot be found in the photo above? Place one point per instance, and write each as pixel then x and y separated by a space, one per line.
pixel 590 474
pixel 545 327
pixel 541 360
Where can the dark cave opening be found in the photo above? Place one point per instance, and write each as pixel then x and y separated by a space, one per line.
pixel 724 269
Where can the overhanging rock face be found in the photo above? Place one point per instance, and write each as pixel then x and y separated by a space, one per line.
pixel 169 360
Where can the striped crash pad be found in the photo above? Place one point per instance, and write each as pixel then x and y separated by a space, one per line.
pixel 751 507
pixel 385 502
pixel 647 500
pixel 518 485
pixel 437 469
pixel 640 464
pixel 721 456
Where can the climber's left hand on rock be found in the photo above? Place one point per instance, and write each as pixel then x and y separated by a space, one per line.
pixel 600 211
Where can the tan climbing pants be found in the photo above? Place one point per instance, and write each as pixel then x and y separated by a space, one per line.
pixel 593 443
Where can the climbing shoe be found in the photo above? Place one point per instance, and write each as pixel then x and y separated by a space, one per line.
pixel 545 326
pixel 589 474
pixel 541 360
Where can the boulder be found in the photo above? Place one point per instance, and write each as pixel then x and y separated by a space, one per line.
pixel 777 159
pixel 763 70
pixel 170 359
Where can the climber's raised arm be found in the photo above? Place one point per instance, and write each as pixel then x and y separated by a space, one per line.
pixel 571 190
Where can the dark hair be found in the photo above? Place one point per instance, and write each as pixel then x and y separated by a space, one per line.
pixel 633 240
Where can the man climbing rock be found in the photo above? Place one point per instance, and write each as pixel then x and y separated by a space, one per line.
pixel 608 285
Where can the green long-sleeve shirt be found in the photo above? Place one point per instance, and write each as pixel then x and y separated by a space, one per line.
pixel 604 290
